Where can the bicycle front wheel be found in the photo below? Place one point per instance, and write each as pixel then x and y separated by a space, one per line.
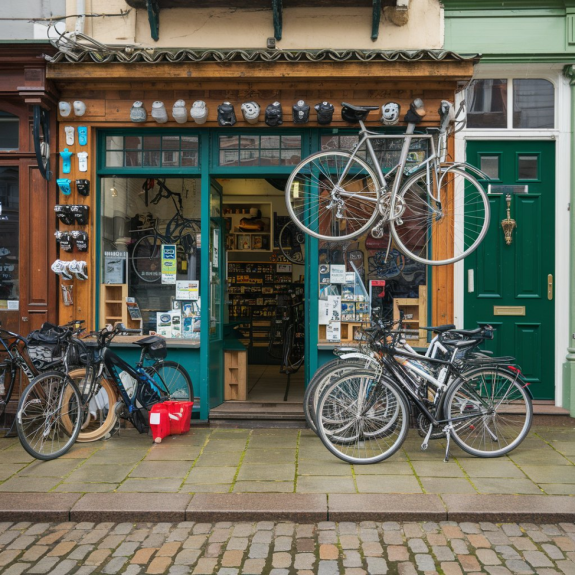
pixel 362 419
pixel 173 380
pixel 333 196
pixel 440 222
pixel 490 411
pixel 42 411
pixel 147 259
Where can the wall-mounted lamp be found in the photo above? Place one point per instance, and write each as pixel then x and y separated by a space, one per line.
pixel 113 190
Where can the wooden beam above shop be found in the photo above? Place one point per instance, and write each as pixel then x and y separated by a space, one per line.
pixel 413 71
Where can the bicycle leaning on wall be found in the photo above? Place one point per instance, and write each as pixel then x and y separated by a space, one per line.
pixel 437 212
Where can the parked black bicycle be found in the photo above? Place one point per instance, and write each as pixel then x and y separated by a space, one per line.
pixel 55 407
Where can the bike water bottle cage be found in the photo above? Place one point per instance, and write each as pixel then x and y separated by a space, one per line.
pixel 354 114
pixel 66 160
pixel 79 269
pixel 416 112
pixel 226 114
pixel 64 185
pixel 81 240
pixel 390 113
pixel 274 116
pixel 64 214
pixel 80 214
pixel 65 240
pixel 251 112
pixel 300 113
pixel 83 187
pixel 324 113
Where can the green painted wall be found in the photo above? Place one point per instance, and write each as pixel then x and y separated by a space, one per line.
pixel 538 31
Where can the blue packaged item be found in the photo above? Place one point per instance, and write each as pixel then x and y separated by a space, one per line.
pixel 64 185
pixel 82 135
pixel 66 160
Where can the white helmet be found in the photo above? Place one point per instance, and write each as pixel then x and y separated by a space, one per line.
pixel 390 113
pixel 180 112
pixel 251 112
pixel 138 112
pixel 159 112
pixel 199 112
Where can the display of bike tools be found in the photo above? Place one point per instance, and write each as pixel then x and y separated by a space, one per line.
pixel 64 214
pixel 64 239
pixel 64 185
pixel 226 114
pixel 300 112
pixel 83 187
pixel 324 113
pixel 80 214
pixel 80 239
pixel 66 160
pixel 274 116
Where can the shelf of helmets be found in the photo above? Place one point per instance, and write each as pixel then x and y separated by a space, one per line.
pixel 82 293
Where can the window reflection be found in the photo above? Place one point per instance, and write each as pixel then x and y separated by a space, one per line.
pixel 487 104
pixel 533 104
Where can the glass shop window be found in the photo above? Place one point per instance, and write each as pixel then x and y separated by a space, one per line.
pixel 356 278
pixel 533 104
pixel 150 254
pixel 246 150
pixel 487 104
pixel 171 151
pixel 9 238
pixel 9 131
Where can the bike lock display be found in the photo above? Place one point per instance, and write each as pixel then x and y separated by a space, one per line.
pixel 151 251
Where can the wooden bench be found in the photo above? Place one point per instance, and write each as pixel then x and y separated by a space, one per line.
pixel 235 370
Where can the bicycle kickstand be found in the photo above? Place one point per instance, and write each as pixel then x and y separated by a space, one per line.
pixel 447 430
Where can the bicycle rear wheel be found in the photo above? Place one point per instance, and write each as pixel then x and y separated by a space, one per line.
pixel 362 419
pixel 497 408
pixel 147 258
pixel 444 230
pixel 173 380
pixel 321 208
pixel 41 411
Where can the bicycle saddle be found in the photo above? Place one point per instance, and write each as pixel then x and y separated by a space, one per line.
pixel 148 340
pixel 468 332
pixel 439 328
pixel 351 113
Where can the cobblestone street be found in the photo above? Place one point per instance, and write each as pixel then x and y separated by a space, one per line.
pixel 284 548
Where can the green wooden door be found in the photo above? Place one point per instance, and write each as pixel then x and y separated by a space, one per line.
pixel 501 279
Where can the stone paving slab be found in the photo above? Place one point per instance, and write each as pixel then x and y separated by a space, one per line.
pixel 36 506
pixel 131 507
pixel 257 506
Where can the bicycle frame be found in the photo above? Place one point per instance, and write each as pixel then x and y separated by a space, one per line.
pixel 365 138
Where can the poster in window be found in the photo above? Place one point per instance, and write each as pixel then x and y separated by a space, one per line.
pixel 337 274
pixel 169 264
pixel 115 267
pixel 187 290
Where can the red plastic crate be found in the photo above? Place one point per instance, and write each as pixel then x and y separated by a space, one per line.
pixel 160 422
pixel 180 414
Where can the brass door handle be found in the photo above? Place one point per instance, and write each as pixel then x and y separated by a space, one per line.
pixel 550 287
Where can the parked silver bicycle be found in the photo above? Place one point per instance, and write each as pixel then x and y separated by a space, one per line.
pixel 437 212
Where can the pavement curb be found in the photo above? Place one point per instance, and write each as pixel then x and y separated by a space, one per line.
pixel 297 507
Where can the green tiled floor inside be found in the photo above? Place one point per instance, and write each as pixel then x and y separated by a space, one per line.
pixel 285 461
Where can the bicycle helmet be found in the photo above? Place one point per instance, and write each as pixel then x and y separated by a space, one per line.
pixel 138 112
pixel 199 112
pixel 324 113
pixel 251 112
pixel 159 112
pixel 274 116
pixel 180 112
pixel 300 112
pixel 390 113
pixel 226 114
pixel 61 268
pixel 79 269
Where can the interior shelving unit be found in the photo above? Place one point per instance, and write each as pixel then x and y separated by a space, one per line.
pixel 114 308
pixel 415 315
pixel 248 240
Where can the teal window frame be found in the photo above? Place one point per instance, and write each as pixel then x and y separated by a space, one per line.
pixel 104 170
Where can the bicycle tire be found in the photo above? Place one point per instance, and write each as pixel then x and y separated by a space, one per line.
pixel 50 385
pixel 385 440
pixel 174 380
pixel 303 203
pixel 287 253
pixel 471 427
pixel 147 258
pixel 91 431
pixel 320 379
pixel 421 226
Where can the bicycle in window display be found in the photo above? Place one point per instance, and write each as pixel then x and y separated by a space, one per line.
pixel 437 212
pixel 146 255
